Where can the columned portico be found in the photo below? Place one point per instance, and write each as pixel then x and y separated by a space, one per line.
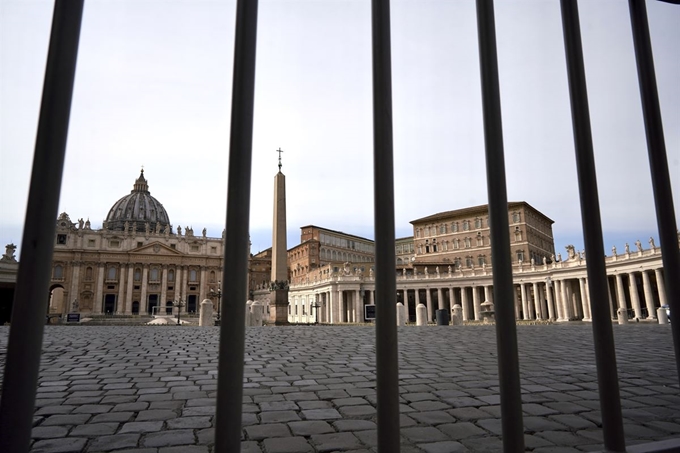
pixel 634 296
pixel 649 297
pixel 466 303
pixel 476 303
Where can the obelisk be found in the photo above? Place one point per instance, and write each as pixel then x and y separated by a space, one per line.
pixel 279 284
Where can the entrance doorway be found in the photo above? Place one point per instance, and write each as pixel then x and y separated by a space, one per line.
pixel 109 304
pixel 153 302
pixel 191 304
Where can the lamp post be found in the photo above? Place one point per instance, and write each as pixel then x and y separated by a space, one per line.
pixel 179 303
pixel 217 294
pixel 316 313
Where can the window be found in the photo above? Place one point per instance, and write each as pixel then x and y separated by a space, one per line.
pixel 58 272
pixel 446 245
pixel 466 225
pixel 138 275
pixel 61 239
pixel 153 275
pixel 193 275
pixel 194 248
pixel 458 262
pixel 173 246
pixel 111 273
pixel 468 261
pixel 481 259
pixel 520 255
pixel 456 244
pixel 212 276
pixel 114 243
pixel 480 240
pixel 90 243
pixel 139 244
pixel 213 250
pixel 468 243
pixel 515 217
pixel 478 223
pixel 88 273
pixel 171 275
pixel 442 229
pixel 454 227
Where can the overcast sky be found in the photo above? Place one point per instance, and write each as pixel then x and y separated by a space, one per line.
pixel 153 88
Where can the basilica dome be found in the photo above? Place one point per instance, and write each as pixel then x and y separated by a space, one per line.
pixel 137 209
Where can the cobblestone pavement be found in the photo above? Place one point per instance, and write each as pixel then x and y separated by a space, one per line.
pixel 312 389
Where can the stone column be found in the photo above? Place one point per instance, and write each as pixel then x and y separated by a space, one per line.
pixel 525 307
pixel 358 307
pixel 341 307
pixel 417 297
pixel 99 293
pixel 440 299
pixel 164 284
pixel 620 294
pixel 551 303
pixel 371 294
pixel 120 302
pixel 660 286
pixel 574 306
pixel 537 302
pixel 634 297
pixel 477 304
pixel 203 285
pixel 557 284
pixel 488 294
pixel 428 300
pixel 185 283
pixel 584 299
pixel 612 307
pixel 590 314
pixel 452 299
pixel 649 297
pixel 144 303
pixel 74 293
pixel 565 301
pixel 465 303
pixel 130 287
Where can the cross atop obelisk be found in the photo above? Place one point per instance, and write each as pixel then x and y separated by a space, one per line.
pixel 279 151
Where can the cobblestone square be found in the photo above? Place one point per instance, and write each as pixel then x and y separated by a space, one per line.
pixel 312 389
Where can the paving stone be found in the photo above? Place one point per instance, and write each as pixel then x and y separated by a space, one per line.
pixel 185 449
pixel 307 428
pixel 279 416
pixel 169 438
pixel 94 429
pixel 279 406
pixel 335 442
pixel 432 418
pixel 287 445
pixel 354 425
pixel 48 432
pixel 188 423
pixel 159 414
pixel 443 447
pixel 423 434
pixel 142 427
pixel 269 430
pixel 114 442
pixel 250 447
pixel 321 414
pixel 70 419
pixel 68 444
pixel 112 417
pixel 358 411
pixel 461 430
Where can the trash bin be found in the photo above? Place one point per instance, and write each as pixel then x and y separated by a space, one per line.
pixel 442 317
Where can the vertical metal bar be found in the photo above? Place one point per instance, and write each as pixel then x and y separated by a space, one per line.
pixel 387 360
pixel 35 264
pixel 235 273
pixel 605 353
pixel 503 291
pixel 658 162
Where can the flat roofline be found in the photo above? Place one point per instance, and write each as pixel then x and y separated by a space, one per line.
pixel 338 232
pixel 473 209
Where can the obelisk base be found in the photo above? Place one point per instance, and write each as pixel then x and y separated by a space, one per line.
pixel 278 311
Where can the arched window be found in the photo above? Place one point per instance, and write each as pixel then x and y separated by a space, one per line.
pixel 193 275
pixel 466 225
pixel 212 276
pixel 111 273
pixel 399 261
pixel 456 244
pixel 481 259
pixel 153 275
pixel 468 243
pixel 58 272
pixel 171 275
pixel 515 217
pixel 520 255
pixel 442 229
pixel 138 275
pixel 88 273
pixel 480 240
pixel 478 223
pixel 468 261
pixel 454 227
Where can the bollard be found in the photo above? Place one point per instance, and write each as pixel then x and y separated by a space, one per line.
pixel 457 318
pixel 256 314
pixel 205 317
pixel 401 314
pixel 249 317
pixel 421 315
pixel 661 315
pixel 622 314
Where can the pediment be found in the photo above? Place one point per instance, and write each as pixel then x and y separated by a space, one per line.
pixel 155 248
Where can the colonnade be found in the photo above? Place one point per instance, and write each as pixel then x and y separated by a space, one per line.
pixel 553 297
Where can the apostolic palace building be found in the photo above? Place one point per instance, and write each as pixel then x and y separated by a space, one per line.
pixel 138 265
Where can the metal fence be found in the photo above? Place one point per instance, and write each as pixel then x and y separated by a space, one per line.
pixel 25 339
